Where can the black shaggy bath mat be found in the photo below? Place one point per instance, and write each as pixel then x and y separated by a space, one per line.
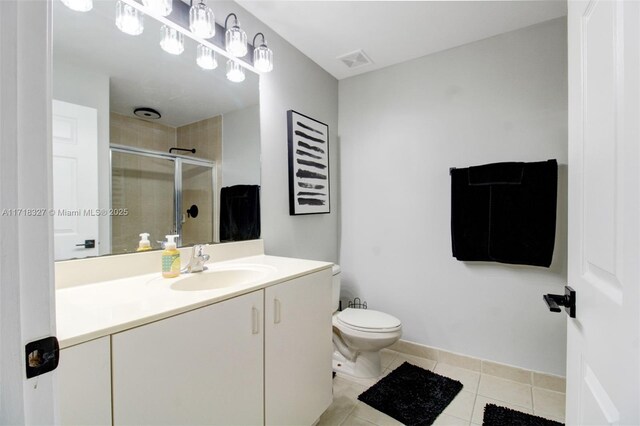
pixel 501 416
pixel 412 395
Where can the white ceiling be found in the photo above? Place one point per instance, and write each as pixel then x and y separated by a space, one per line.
pixel 141 73
pixel 391 32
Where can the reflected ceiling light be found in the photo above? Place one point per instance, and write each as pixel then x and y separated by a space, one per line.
pixel 235 72
pixel 235 38
pixel 161 7
pixel 262 55
pixel 206 58
pixel 128 19
pixel 79 5
pixel 201 20
pixel 172 40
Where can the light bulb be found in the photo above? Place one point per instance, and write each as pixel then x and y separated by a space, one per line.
pixel 79 5
pixel 128 19
pixel 201 20
pixel 235 72
pixel 206 58
pixel 236 41
pixel 161 7
pixel 263 58
pixel 172 40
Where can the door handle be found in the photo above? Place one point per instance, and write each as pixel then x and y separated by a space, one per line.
pixel 87 244
pixel 568 300
pixel 276 311
pixel 255 321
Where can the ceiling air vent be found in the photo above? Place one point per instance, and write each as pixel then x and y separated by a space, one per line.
pixel 355 59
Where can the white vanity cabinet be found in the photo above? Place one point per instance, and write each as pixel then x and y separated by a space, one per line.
pixel 298 349
pixel 84 384
pixel 261 358
pixel 203 367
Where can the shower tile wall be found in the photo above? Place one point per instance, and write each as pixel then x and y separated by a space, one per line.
pixel 138 183
pixel 206 137
pixel 141 133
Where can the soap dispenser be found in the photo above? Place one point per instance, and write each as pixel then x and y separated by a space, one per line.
pixel 144 243
pixel 170 258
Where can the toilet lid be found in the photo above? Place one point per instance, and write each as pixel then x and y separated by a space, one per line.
pixel 368 319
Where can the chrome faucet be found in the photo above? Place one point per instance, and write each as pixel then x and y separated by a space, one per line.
pixel 198 258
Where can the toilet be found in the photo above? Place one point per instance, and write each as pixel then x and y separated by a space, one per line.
pixel 359 335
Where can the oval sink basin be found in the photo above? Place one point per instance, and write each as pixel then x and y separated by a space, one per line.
pixel 219 278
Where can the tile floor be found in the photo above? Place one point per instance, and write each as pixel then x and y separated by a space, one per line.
pixel 466 409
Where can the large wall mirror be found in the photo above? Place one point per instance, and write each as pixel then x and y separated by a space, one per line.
pixel 181 164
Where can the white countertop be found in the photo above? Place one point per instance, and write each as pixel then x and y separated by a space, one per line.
pixel 90 311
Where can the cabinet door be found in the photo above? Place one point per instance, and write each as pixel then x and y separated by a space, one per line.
pixel 84 384
pixel 298 349
pixel 203 367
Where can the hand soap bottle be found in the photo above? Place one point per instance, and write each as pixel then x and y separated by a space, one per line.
pixel 170 258
pixel 144 243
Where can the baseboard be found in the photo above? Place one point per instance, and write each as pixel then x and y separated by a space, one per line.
pixel 516 374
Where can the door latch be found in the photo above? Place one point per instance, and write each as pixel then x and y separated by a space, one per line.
pixel 42 356
pixel 568 300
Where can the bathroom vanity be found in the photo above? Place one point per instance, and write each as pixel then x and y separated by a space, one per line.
pixel 246 342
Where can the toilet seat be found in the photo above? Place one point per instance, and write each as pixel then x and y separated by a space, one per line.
pixel 368 320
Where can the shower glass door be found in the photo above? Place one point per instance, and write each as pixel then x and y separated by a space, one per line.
pixel 162 194
pixel 143 188
pixel 197 202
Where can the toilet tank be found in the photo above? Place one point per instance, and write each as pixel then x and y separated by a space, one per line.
pixel 336 287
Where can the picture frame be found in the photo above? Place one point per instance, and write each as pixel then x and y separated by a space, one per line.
pixel 309 180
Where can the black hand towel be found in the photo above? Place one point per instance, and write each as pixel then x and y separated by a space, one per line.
pixel 505 212
pixel 240 213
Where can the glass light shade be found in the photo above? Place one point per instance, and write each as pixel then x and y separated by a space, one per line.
pixel 263 58
pixel 235 72
pixel 161 7
pixel 79 5
pixel 202 21
pixel 206 58
pixel 172 40
pixel 128 19
pixel 236 41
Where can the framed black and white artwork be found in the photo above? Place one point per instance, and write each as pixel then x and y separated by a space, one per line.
pixel 308 165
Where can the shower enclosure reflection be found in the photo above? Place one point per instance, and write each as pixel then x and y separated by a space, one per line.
pixel 139 178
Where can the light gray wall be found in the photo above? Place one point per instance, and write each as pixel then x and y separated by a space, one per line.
pixel 77 85
pixel 297 83
pixel 241 147
pixel 401 128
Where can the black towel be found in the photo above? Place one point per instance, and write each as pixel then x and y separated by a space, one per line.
pixel 505 212
pixel 240 213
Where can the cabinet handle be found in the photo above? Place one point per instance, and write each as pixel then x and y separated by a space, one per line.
pixel 255 324
pixel 276 311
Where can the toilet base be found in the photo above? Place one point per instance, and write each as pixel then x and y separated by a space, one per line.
pixel 366 366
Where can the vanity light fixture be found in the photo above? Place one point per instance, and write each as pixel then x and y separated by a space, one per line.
pixel 128 19
pixel 235 72
pixel 262 55
pixel 172 40
pixel 201 20
pixel 161 7
pixel 79 5
pixel 235 38
pixel 206 58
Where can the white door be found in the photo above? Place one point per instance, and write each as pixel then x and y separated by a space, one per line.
pixel 603 360
pixel 75 180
